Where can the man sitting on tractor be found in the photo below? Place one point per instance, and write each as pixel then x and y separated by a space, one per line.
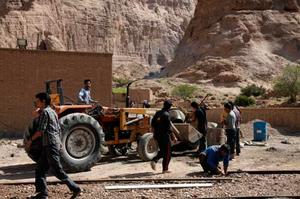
pixel 84 96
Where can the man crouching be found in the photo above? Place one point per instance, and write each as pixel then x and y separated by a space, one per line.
pixel 210 158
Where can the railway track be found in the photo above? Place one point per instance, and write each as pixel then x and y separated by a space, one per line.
pixel 261 172
pixel 188 180
pixel 250 197
pixel 207 179
pixel 119 180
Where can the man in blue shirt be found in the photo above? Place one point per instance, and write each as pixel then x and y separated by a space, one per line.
pixel 84 96
pixel 210 158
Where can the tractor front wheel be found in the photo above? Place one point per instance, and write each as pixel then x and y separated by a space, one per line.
pixel 147 147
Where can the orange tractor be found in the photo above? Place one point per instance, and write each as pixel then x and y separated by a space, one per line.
pixel 88 128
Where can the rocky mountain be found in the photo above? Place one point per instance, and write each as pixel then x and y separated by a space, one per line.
pixel 137 31
pixel 230 41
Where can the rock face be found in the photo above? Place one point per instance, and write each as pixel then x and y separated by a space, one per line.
pixel 136 31
pixel 238 41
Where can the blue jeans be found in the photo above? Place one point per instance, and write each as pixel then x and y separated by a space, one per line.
pixel 206 168
pixel 50 158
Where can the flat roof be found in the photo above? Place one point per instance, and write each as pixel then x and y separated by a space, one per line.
pixel 57 52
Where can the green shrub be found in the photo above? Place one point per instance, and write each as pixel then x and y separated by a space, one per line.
pixel 243 100
pixel 184 91
pixel 119 90
pixel 121 82
pixel 288 84
pixel 253 90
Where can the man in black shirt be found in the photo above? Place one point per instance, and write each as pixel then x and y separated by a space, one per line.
pixel 200 116
pixel 161 125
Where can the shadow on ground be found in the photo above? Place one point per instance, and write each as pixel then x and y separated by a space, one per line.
pixel 197 174
pixel 191 154
pixel 134 158
pixel 129 159
pixel 287 132
pixel 136 175
pixel 17 172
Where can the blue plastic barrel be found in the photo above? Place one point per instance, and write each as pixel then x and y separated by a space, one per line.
pixel 260 131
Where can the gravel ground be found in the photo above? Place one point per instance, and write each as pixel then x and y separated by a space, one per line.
pixel 16 166
pixel 242 185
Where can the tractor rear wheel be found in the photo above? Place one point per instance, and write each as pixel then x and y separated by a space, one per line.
pixel 36 146
pixel 147 147
pixel 81 139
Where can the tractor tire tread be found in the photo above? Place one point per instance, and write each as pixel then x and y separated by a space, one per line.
pixel 69 121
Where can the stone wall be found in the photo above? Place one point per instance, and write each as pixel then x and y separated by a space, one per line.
pixel 23 73
pixel 281 117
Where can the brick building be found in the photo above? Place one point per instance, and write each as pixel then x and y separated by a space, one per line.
pixel 23 73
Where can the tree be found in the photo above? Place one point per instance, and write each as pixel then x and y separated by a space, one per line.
pixel 253 90
pixel 288 84
pixel 185 91
pixel 243 100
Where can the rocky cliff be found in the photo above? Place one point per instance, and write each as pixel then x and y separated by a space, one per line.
pixel 231 41
pixel 136 31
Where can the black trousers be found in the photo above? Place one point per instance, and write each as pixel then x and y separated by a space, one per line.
pixel 231 139
pixel 50 159
pixel 202 143
pixel 164 144
pixel 206 168
pixel 237 142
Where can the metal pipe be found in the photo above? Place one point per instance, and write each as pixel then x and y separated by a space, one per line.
pixel 267 172
pixel 127 93
pixel 245 197
pixel 128 180
pixel 133 121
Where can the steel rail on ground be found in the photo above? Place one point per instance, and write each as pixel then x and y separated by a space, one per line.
pixel 190 179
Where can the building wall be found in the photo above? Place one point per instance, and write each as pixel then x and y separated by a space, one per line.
pixel 136 95
pixel 23 73
pixel 119 100
pixel 139 95
pixel 281 117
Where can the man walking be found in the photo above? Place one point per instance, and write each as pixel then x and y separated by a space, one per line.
pixel 84 96
pixel 210 158
pixel 200 116
pixel 49 129
pixel 230 128
pixel 161 125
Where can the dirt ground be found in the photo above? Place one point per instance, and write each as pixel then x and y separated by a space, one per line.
pixel 16 166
